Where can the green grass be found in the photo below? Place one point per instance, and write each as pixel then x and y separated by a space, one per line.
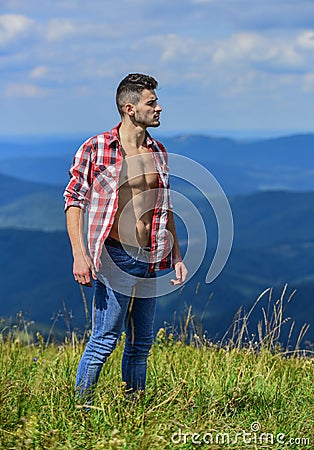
pixel 199 395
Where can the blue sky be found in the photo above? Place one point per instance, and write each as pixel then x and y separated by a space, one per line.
pixel 221 64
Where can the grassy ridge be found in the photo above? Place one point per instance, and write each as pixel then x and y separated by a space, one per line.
pixel 199 395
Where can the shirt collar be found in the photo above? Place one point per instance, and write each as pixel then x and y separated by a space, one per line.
pixel 114 136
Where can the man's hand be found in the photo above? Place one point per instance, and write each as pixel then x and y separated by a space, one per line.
pixel 180 271
pixel 83 270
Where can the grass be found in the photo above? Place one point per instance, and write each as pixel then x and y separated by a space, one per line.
pixel 233 394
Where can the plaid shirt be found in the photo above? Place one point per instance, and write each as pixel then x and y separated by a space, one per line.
pixel 94 184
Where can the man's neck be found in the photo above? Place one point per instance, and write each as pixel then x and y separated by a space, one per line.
pixel 131 135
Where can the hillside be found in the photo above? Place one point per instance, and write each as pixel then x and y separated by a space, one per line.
pixel 14 188
pixel 197 396
pixel 273 217
pixel 30 205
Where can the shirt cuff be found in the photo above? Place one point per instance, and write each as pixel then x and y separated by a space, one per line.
pixel 73 202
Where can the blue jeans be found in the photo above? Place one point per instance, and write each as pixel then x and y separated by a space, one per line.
pixel 113 309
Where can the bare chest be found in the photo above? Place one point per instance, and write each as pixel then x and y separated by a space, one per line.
pixel 139 172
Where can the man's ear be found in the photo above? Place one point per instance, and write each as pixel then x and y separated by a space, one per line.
pixel 129 109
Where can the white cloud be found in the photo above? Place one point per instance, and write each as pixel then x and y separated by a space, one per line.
pixel 24 90
pixel 238 47
pixel 231 57
pixel 13 27
pixel 268 53
pixel 39 72
pixel 306 40
pixel 61 29
pixel 170 48
pixel 58 29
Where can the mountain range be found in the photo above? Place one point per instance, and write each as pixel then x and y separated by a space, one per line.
pixel 269 184
pixel 241 166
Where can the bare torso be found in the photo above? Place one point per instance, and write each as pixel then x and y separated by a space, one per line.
pixel 137 196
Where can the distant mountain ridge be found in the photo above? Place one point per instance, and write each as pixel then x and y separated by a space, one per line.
pixel 29 205
pixel 240 166
pixel 13 188
pixel 271 214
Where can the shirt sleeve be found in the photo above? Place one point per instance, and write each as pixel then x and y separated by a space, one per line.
pixel 78 189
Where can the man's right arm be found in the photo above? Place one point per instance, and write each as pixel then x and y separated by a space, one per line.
pixel 76 197
pixel 82 265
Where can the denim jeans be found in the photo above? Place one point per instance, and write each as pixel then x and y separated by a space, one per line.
pixel 114 309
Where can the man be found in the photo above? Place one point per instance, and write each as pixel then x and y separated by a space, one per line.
pixel 122 178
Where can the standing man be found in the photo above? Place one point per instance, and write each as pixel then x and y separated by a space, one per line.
pixel 121 177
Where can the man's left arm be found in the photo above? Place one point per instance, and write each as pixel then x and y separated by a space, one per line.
pixel 178 265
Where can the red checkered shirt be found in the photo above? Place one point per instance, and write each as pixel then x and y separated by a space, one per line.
pixel 94 185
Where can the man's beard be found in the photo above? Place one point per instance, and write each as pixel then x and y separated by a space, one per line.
pixel 154 122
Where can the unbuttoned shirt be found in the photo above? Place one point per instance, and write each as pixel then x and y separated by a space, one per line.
pixel 94 187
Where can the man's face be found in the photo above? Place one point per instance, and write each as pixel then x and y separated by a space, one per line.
pixel 147 110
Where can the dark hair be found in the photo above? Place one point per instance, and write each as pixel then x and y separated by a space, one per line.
pixel 130 88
